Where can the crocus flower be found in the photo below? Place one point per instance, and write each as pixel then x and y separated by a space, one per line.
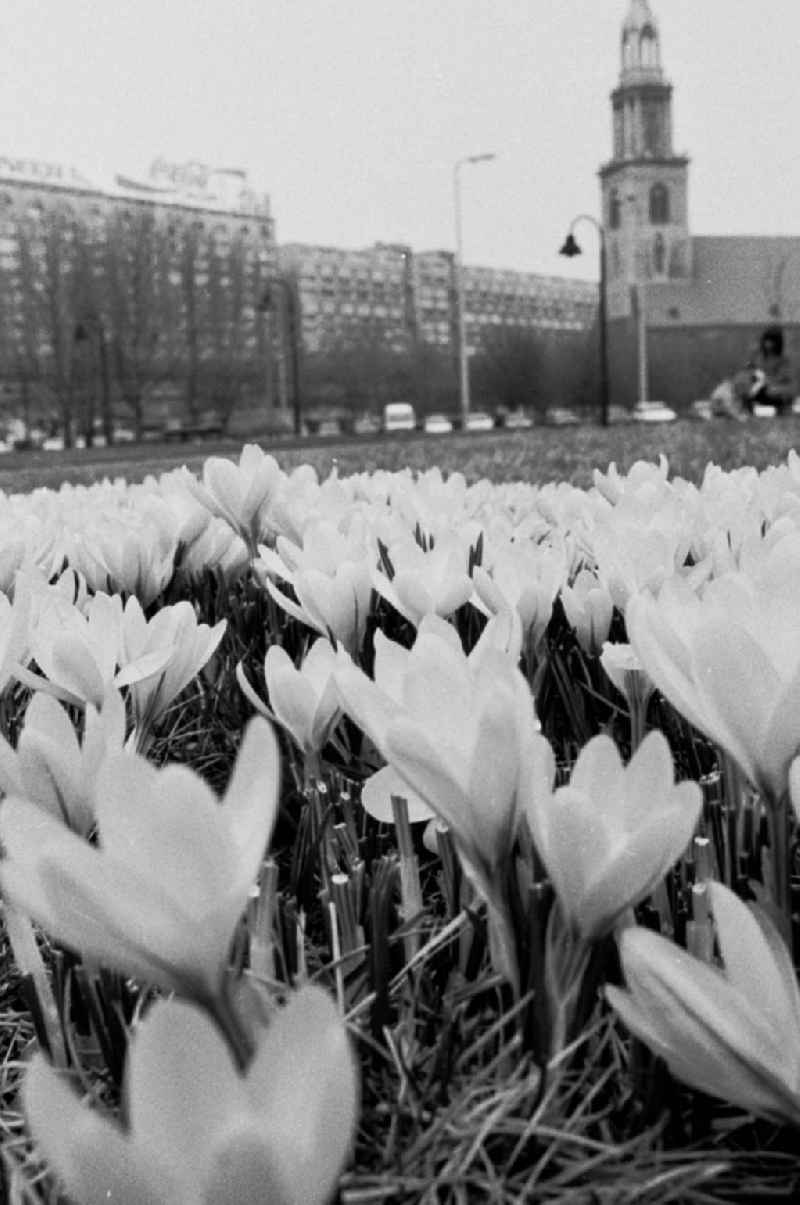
pixel 158 658
pixel 160 896
pixel 628 675
pixel 51 768
pixel 241 493
pixel 466 741
pixel 589 609
pixel 729 661
pixel 461 733
pixel 14 629
pixel 733 1030
pixel 77 652
pixel 611 834
pixel 198 1132
pixel 426 582
pixel 331 604
pixel 304 701
pixel 529 576
pixel 131 553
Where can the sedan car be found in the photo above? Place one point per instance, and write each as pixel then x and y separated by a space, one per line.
pixel 479 420
pixel 437 424
pixel 653 412
pixel 517 420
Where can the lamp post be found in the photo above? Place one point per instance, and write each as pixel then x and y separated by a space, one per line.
pixel 572 248
pixel 463 354
pixel 291 329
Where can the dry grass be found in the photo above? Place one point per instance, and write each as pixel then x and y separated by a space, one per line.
pixel 539 455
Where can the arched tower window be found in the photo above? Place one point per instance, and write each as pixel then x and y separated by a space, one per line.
pixel 628 52
pixel 659 254
pixel 648 47
pixel 659 204
pixel 614 210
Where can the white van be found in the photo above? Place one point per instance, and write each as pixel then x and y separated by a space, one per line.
pixel 399 416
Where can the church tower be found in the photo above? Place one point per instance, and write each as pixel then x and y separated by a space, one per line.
pixel 644 185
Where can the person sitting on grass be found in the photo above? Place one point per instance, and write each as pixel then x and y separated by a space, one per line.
pixel 772 380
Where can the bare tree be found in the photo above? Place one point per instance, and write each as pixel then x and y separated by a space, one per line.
pixel 231 349
pixel 46 243
pixel 137 284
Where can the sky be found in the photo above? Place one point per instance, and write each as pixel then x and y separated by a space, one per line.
pixel 352 113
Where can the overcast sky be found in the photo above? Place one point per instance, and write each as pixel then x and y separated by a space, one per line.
pixel 351 113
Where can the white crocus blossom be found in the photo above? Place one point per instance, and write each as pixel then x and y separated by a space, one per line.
pixel 645 481
pixel 15 624
pixel 242 493
pixel 731 1030
pixel 611 834
pixel 199 1132
pixel 216 547
pixel 631 680
pixel 159 898
pixel 76 651
pixel 135 556
pixel 636 552
pixel 160 657
pixel 466 741
pixel 729 661
pixel 529 576
pixel 589 609
pixel 304 701
pixel 335 604
pixel 432 582
pixel 461 734
pixel 52 769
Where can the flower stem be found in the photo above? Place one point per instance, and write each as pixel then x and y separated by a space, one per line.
pixel 779 842
pixel 231 1025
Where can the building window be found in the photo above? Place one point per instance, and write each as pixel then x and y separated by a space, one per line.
pixel 659 254
pixel 614 210
pixel 659 204
pixel 648 48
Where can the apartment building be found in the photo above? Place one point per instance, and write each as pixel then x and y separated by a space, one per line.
pixel 390 293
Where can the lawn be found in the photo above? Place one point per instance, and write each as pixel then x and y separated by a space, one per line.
pixel 541 454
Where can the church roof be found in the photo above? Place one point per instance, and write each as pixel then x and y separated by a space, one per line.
pixel 639 16
pixel 736 279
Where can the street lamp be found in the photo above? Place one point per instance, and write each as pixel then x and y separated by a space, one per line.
pixel 292 330
pixel 572 248
pixel 463 356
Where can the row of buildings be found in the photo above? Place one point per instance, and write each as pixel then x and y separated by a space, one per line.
pixel 681 309
pixel 387 294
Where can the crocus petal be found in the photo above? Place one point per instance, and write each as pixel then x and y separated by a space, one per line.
pixel 377 792
pixel 737 686
pixel 89 1154
pixel 179 1068
pixel 708 1034
pixel 304 1084
pixel 757 961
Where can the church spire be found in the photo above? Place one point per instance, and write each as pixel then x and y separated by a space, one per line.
pixel 641 50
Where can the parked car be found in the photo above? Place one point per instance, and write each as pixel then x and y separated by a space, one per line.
pixel 517 420
pixel 653 412
pixel 479 420
pixel 437 424
pixel 367 424
pixel 561 416
pixel 329 426
pixel 399 416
